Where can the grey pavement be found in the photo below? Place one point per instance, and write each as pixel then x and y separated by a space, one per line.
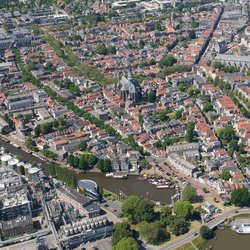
pixel 103 244
pixel 27 245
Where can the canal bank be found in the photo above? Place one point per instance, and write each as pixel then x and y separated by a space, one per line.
pixel 130 186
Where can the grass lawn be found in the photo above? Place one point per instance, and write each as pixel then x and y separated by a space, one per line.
pixel 199 242
pixel 187 246
pixel 109 195
pixel 238 216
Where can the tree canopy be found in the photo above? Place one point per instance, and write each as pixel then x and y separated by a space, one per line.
pixel 179 226
pixel 153 233
pixel 205 232
pixel 225 175
pixel 152 96
pixel 121 231
pixel 240 197
pixel 183 209
pixel 126 244
pixel 167 61
pixel 166 216
pixel 138 209
pixel 190 133
pixel 189 194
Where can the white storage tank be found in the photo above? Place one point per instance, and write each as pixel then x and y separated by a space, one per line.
pixel 32 172
pixel 13 163
pixel 5 159
pixel 27 166
pixel 20 168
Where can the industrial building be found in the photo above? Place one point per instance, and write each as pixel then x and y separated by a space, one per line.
pixel 82 203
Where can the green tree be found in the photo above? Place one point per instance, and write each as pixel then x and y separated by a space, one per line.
pixel 82 145
pixel 225 175
pixel 240 197
pixel 70 160
pixel 129 206
pixel 111 50
pixel 144 164
pixel 158 26
pixel 166 216
pixel 179 226
pixel 30 144
pixel 194 24
pixel 205 232
pixel 183 209
pixel 208 106
pixel 126 244
pixel 190 132
pixel 104 165
pixel 83 163
pixel 76 162
pixel 140 119
pixel 101 49
pixel 37 130
pixel 217 65
pixel 189 194
pixel 227 133
pixel 193 92
pixel 153 233
pixel 121 231
pixel 152 96
pixel 141 44
pixel 163 115
pixel 144 211
pixel 167 61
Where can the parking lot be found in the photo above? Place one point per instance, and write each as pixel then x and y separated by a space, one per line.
pixel 113 206
pixel 103 244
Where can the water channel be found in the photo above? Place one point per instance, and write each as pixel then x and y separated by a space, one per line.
pixel 226 239
pixel 130 186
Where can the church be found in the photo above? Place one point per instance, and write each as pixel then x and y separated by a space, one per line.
pixel 129 89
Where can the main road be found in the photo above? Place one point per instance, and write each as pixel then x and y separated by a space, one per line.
pixel 192 234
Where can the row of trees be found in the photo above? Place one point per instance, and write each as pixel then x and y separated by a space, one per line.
pixel 84 162
pixel 63 174
pixel 227 69
pixel 104 165
pixel 72 60
pixel 190 133
pixel 49 154
pixel 177 68
pixel 30 144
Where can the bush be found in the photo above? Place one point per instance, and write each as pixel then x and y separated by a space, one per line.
pixel 205 232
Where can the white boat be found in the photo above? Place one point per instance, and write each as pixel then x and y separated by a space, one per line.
pixel 162 186
pixel 109 175
pixel 120 176
pixel 243 228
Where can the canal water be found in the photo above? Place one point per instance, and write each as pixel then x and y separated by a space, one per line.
pixel 226 239
pixel 130 186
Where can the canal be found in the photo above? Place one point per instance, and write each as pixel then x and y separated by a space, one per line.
pixel 130 186
pixel 229 240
